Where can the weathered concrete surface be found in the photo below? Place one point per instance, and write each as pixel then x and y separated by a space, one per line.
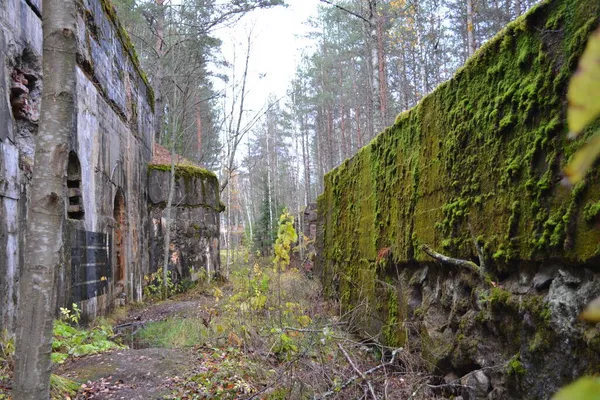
pixel 113 141
pixel 110 147
pixel 20 50
pixel 194 220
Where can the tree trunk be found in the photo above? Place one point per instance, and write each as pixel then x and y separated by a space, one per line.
pixel 471 46
pixel 168 220
pixel 44 240
pixel 383 90
pixel 270 225
pixel 198 129
pixel 160 52
pixel 305 160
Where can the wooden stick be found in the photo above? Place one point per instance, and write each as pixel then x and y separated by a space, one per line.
pixel 358 371
pixel 451 261
pixel 355 377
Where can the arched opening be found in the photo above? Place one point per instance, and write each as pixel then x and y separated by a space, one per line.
pixel 75 201
pixel 120 229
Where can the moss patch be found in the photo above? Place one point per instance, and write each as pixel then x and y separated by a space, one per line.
pixel 482 155
pixel 125 39
pixel 184 171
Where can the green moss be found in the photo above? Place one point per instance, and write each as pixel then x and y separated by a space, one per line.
pixel 591 212
pixel 393 331
pixel 125 39
pixel 480 156
pixel 185 171
pixel 515 366
pixel 189 174
pixel 499 297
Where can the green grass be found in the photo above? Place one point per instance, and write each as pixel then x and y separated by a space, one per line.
pixel 174 333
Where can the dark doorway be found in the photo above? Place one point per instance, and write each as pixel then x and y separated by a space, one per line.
pixel 120 234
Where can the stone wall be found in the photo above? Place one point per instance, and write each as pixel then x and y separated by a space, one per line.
pixel 477 161
pixel 195 219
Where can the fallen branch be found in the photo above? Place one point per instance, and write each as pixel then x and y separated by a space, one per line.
pixel 457 262
pixel 358 371
pixel 355 377
pixel 454 382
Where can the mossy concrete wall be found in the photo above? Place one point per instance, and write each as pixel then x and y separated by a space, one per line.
pixel 479 158
pixel 194 220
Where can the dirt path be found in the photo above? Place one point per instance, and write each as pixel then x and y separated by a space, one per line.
pixel 139 373
pixel 130 374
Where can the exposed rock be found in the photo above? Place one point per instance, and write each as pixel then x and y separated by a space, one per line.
pixel 566 300
pixel 477 384
pixel 544 277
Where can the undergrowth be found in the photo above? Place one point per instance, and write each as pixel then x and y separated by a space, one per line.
pixel 70 340
pixel 255 340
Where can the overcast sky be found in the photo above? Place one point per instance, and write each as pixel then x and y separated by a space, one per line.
pixel 277 46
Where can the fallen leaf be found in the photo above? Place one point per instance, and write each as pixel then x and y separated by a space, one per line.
pixel 584 88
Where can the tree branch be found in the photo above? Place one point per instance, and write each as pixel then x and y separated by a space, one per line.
pixel 451 261
pixel 358 371
pixel 346 10
pixel 355 377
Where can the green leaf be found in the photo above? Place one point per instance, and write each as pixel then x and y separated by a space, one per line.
pixel 592 311
pixel 583 160
pixel 59 358
pixel 584 89
pixel 586 388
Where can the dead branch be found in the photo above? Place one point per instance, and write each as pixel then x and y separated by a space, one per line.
pixel 480 252
pixel 456 382
pixel 355 377
pixel 358 371
pixel 348 11
pixel 451 261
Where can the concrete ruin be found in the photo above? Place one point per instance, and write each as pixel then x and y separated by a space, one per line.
pixel 194 247
pixel 107 221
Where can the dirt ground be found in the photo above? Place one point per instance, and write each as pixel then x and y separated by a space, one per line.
pixel 138 373
pixel 129 374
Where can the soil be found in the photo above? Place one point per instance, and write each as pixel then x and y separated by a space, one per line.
pixel 129 374
pixel 139 373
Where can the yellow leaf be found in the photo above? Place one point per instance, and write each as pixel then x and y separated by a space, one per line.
pixel 592 311
pixel 586 388
pixel 583 160
pixel 584 89
pixel 304 320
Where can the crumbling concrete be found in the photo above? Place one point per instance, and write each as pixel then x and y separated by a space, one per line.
pixel 194 250
pixel 107 230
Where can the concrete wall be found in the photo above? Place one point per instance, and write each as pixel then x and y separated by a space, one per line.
pixel 20 55
pixel 114 138
pixel 111 146
pixel 194 221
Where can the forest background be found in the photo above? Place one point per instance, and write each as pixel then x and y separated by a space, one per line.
pixel 365 61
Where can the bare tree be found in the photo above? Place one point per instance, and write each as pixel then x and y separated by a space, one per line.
pixel 44 246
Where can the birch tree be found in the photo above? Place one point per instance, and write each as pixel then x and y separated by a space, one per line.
pixel 44 246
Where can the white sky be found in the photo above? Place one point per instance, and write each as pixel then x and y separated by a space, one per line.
pixel 277 47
